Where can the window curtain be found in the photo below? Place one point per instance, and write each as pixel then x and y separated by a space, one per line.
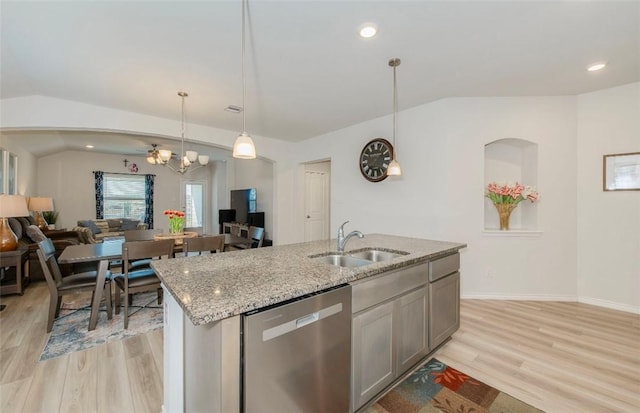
pixel 99 177
pixel 148 200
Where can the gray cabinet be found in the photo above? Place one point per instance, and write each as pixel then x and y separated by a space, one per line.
pixel 389 329
pixel 412 329
pixel 387 340
pixel 373 361
pixel 444 299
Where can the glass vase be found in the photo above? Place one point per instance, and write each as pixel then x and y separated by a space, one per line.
pixel 504 212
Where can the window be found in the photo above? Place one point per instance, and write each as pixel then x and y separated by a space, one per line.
pixel 8 173
pixel 193 198
pixel 124 196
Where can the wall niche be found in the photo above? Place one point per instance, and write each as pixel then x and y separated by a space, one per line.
pixel 511 160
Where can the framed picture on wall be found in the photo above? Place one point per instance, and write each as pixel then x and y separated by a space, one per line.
pixel 621 172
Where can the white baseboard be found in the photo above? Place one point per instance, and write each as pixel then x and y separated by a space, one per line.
pixel 609 304
pixel 519 297
pixel 548 297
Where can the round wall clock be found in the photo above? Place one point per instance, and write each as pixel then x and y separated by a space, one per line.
pixel 375 158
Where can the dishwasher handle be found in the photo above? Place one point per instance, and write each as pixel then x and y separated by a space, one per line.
pixel 308 319
pixel 289 326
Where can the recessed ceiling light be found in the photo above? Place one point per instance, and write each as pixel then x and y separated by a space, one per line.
pixel 368 30
pixel 89 146
pixel 596 66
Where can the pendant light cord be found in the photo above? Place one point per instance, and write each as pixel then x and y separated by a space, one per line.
pixel 244 79
pixel 182 132
pixel 395 109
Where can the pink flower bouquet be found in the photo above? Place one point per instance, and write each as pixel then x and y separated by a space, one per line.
pixel 502 193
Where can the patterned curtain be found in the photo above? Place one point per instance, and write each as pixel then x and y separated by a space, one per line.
pixel 148 200
pixel 99 176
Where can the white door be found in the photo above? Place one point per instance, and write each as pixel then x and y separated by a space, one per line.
pixel 316 206
pixel 194 203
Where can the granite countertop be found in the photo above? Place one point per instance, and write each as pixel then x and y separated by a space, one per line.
pixel 218 286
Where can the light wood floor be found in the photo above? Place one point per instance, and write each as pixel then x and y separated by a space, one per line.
pixel 559 357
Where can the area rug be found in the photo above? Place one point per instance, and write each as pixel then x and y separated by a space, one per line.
pixel 70 331
pixel 436 387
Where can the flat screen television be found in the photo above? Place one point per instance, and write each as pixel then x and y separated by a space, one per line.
pixel 244 202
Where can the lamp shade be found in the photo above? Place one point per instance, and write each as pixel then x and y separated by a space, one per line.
pixel 394 168
pixel 13 206
pixel 40 203
pixel 244 147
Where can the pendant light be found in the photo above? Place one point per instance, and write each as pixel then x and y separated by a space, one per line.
pixel 244 148
pixel 394 167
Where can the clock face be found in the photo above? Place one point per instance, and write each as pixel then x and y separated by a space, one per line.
pixel 375 158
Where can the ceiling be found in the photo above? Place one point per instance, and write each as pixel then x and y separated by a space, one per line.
pixel 308 72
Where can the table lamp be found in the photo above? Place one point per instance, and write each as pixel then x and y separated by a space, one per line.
pixel 38 204
pixel 10 206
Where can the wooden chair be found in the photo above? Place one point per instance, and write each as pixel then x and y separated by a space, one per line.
pixel 134 280
pixel 60 286
pixel 198 230
pixel 141 234
pixel 256 235
pixel 198 246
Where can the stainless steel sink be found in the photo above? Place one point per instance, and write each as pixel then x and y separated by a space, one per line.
pixel 358 258
pixel 343 260
pixel 377 255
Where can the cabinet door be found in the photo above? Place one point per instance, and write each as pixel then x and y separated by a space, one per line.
pixel 444 308
pixel 412 329
pixel 373 361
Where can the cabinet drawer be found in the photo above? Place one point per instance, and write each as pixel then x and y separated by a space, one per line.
pixel 369 292
pixel 444 266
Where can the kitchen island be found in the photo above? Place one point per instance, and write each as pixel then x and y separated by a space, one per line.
pixel 206 297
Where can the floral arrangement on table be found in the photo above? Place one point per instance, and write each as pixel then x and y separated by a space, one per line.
pixel 176 220
pixel 506 197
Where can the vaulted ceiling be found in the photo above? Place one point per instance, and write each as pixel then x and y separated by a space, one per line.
pixel 308 71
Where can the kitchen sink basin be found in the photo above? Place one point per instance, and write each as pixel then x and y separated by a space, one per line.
pixel 376 255
pixel 358 258
pixel 343 260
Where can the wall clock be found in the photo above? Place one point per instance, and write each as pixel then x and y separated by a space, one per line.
pixel 375 158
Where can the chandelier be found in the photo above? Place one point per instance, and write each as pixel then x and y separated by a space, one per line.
pixel 187 159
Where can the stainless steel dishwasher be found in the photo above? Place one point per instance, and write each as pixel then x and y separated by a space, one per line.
pixel 297 355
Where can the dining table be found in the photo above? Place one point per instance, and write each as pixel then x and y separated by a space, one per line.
pixel 102 253
pixel 110 250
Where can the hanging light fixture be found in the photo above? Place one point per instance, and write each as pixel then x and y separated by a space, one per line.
pixel 394 167
pixel 244 148
pixel 187 159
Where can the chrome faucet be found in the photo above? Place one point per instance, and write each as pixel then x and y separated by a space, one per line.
pixel 342 240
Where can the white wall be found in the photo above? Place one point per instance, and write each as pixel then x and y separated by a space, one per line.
pixel 440 196
pixel 68 178
pixel 608 222
pixel 588 243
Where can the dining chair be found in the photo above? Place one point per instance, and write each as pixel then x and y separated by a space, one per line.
pixel 256 235
pixel 134 279
pixel 197 246
pixel 141 234
pixel 198 230
pixel 72 283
